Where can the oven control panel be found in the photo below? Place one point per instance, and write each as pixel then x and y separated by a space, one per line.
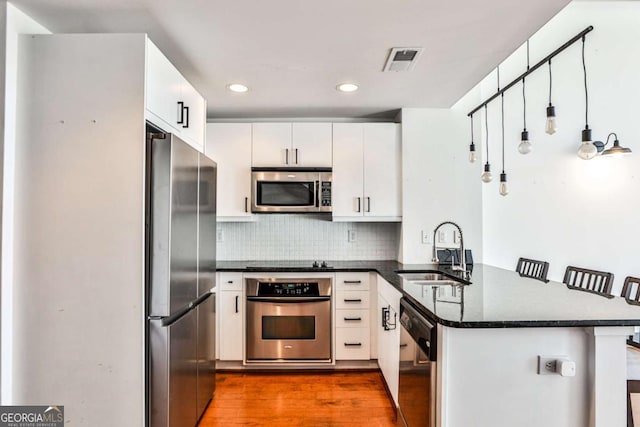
pixel 288 289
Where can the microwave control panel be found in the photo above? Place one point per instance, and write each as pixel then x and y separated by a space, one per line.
pixel 325 193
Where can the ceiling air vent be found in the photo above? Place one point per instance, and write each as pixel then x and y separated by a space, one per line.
pixel 402 58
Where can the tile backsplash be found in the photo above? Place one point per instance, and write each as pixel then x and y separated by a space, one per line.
pixel 306 237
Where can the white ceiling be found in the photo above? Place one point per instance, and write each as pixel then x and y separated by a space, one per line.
pixel 293 53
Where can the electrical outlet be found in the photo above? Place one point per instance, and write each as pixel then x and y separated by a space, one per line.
pixel 456 236
pixel 426 237
pixel 220 236
pixel 352 236
pixel 442 236
pixel 549 365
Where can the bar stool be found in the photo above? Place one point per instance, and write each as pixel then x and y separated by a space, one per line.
pixel 593 281
pixel 631 290
pixel 533 268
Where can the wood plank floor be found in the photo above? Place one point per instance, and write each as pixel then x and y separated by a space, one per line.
pixel 299 400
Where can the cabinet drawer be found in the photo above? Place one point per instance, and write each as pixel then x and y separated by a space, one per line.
pixel 352 318
pixel 352 299
pixel 352 281
pixel 230 282
pixel 352 344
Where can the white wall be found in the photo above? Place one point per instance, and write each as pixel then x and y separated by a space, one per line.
pixel 560 208
pixel 438 182
pixel 14 22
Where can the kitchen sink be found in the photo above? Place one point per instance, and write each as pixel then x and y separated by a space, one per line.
pixel 429 278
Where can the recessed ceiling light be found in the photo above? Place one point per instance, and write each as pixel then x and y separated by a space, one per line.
pixel 347 87
pixel 237 87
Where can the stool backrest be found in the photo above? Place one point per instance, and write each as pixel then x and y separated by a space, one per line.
pixel 533 268
pixel 594 281
pixel 631 290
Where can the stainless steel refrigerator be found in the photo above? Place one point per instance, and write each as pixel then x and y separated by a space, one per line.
pixel 181 228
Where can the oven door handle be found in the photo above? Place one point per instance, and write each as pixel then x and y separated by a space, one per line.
pixel 289 299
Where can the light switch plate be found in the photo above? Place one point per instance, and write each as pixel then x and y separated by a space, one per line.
pixel 426 237
pixel 442 236
pixel 352 236
pixel 220 236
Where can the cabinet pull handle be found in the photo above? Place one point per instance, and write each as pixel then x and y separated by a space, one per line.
pixel 186 110
pixel 229 281
pixel 286 153
pixel 296 156
pixel 368 204
pixel 180 112
pixel 352 300
pixel 353 344
pixel 352 282
pixel 352 319
pixel 237 298
pixel 404 345
pixel 358 204
pixel 246 204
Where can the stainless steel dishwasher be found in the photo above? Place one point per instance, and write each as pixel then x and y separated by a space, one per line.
pixel 417 384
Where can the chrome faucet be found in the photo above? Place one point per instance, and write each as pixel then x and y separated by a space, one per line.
pixel 463 264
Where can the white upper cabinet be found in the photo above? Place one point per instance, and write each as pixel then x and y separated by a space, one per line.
pixel 172 103
pixel 291 145
pixel 382 170
pixel 229 144
pixel 272 145
pixel 366 172
pixel 311 144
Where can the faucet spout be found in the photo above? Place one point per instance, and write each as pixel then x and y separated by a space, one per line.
pixel 463 264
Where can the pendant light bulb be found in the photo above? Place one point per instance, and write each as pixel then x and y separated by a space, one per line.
pixel 587 149
pixel 486 175
pixel 503 184
pixel 552 124
pixel 525 146
pixel 472 153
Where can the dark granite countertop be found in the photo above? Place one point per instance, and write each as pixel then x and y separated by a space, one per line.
pixel 495 298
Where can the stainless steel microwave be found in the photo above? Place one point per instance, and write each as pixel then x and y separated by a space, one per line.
pixel 284 190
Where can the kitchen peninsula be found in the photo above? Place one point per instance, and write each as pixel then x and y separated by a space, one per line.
pixel 490 335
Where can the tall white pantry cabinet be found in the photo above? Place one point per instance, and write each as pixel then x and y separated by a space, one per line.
pixel 79 267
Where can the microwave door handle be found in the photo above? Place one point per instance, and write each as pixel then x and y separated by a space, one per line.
pixel 317 194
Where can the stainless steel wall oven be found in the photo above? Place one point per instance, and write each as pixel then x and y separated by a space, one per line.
pixel 288 320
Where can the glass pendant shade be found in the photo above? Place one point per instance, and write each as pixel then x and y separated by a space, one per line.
pixel 525 146
pixel 551 125
pixel 503 184
pixel 587 149
pixel 486 175
pixel 472 153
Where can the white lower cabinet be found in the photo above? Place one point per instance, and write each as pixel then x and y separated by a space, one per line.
pixel 352 321
pixel 230 316
pixel 389 338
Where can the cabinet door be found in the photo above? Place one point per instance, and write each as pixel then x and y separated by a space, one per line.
pixel 193 126
pixel 382 170
pixel 389 347
pixel 311 144
pixel 229 144
pixel 271 145
pixel 231 325
pixel 346 190
pixel 163 90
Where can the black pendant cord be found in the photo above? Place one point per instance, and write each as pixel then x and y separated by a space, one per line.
pixel 502 100
pixel 524 96
pixel 533 68
pixel 472 128
pixel 486 130
pixel 586 92
pixel 550 83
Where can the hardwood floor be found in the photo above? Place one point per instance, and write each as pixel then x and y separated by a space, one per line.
pixel 300 400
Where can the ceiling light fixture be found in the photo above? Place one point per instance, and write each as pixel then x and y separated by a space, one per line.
pixel 503 176
pixel 347 87
pixel 237 88
pixel 551 125
pixel 615 151
pixel 472 147
pixel 525 145
pixel 486 175
pixel 587 149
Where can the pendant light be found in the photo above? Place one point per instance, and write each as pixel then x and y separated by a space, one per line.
pixel 587 149
pixel 616 150
pixel 472 147
pixel 486 175
pixel 503 176
pixel 525 145
pixel 551 125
